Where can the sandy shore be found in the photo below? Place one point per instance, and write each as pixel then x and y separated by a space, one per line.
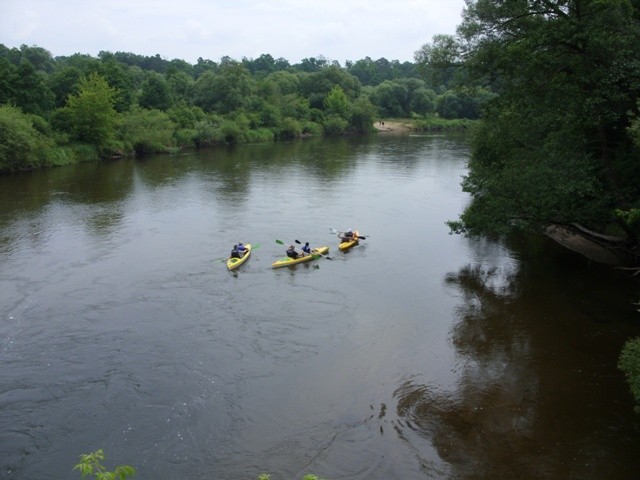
pixel 392 126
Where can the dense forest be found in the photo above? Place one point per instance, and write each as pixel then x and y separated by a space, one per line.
pixel 558 148
pixel 55 111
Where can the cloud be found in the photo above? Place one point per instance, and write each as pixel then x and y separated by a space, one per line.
pixel 292 29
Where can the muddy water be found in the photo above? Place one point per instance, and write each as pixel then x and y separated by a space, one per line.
pixel 417 354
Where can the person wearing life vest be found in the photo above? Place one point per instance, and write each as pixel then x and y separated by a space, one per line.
pixel 347 236
pixel 306 249
pixel 291 252
pixel 238 251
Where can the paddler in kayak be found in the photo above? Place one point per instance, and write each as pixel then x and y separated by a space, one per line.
pixel 238 251
pixel 306 249
pixel 291 252
pixel 347 236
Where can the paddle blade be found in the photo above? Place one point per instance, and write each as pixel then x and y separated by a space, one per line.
pixel 253 247
pixel 279 241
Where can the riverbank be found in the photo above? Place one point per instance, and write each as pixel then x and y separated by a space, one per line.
pixel 407 125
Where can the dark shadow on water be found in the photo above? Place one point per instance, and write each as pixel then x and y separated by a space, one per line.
pixel 538 394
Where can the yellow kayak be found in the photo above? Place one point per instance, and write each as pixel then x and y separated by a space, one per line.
pixel 347 245
pixel 233 262
pixel 284 262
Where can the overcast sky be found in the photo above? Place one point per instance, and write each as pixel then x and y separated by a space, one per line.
pixel 187 29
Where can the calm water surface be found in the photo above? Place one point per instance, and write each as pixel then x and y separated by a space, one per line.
pixel 417 354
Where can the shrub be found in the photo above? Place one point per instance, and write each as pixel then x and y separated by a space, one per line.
pixel 629 363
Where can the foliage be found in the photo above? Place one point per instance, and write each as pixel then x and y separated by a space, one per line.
pixel 91 114
pixel 363 114
pixel 96 107
pixel 156 93
pixel 91 464
pixel 435 123
pixel 336 102
pixel 335 125
pixel 629 364
pixel 553 147
pixel 22 146
pixel 147 131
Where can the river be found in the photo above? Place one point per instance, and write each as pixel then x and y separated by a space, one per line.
pixel 417 354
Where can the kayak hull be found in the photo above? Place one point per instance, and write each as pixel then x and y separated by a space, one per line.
pixel 347 245
pixel 285 262
pixel 233 263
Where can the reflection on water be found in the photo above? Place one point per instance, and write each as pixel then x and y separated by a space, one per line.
pixel 537 375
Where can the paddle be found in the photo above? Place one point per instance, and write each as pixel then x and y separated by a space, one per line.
pixel 313 253
pixel 224 259
pixel 336 232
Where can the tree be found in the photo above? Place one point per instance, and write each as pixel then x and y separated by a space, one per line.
pixel 30 90
pixel 337 102
pixel 180 87
pixel 147 131
pixel 224 91
pixel 64 82
pixel 553 146
pixel 363 114
pixel 155 93
pixel 21 145
pixel 423 102
pixel 391 99
pixel 91 112
pixel 440 60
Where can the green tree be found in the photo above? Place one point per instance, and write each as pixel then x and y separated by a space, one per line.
pixel 391 98
pixel 21 145
pixel 553 146
pixel 147 131
pixel 225 91
pixel 441 61
pixel 30 90
pixel 91 113
pixel 423 101
pixel 316 86
pixel 155 93
pixel 117 76
pixel 63 82
pixel 180 87
pixel 8 77
pixel 337 102
pixel 363 114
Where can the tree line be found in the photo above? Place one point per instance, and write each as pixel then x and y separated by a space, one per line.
pixel 59 110
pixel 559 144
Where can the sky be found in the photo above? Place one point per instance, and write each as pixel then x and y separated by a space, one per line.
pixel 211 29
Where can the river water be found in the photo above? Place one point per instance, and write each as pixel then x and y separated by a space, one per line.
pixel 417 354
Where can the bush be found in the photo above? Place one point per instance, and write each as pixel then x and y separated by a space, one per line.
pixel 22 146
pixel 289 128
pixel 91 464
pixel 629 363
pixel 147 131
pixel 335 125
